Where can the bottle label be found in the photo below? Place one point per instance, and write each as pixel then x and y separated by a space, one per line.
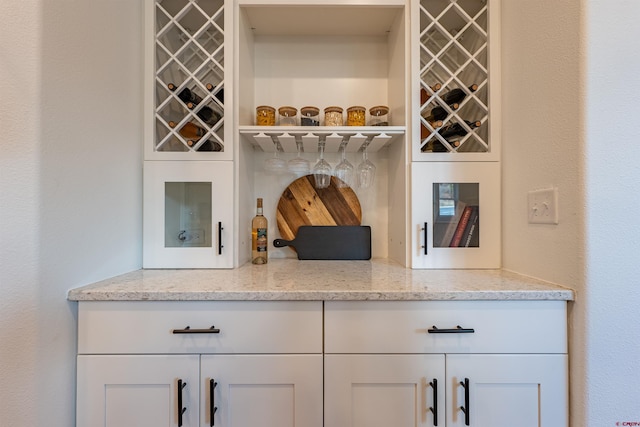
pixel 261 241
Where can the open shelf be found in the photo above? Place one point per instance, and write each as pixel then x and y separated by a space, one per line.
pixel 354 138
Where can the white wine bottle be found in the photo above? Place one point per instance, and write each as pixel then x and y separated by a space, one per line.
pixel 259 242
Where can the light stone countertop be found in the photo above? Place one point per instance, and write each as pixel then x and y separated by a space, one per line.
pixel 291 279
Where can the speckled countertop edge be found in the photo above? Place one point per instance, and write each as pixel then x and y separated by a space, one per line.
pixel 293 280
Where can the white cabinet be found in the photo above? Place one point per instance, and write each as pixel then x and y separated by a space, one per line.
pixel 384 390
pixel 188 210
pixel 263 390
pixel 456 215
pixel 502 390
pixel 137 390
pixel 188 203
pixel 180 363
pixel 456 127
pixel 420 363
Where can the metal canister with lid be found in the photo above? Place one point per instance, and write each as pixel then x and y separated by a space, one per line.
pixel 333 116
pixel 265 116
pixel 288 116
pixel 379 115
pixel 356 116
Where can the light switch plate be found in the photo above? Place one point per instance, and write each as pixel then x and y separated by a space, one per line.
pixel 543 206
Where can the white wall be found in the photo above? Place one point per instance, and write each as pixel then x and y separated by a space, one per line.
pixel 612 176
pixel 571 88
pixel 70 185
pixel 543 146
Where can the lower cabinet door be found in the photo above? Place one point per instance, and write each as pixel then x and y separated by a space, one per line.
pixel 137 390
pixel 262 390
pixel 507 390
pixel 384 390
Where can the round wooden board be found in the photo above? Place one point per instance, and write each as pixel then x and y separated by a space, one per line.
pixel 303 204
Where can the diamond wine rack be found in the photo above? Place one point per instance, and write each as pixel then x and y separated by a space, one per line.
pixel 454 76
pixel 189 80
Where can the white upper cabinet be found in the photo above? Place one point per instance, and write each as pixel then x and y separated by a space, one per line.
pixel 456 215
pixel 188 219
pixel 188 66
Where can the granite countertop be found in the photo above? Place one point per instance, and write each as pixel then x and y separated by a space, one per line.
pixel 290 279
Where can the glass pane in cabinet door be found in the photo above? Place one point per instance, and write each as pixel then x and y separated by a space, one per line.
pixel 456 215
pixel 187 214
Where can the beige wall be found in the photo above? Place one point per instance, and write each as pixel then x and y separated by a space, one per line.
pixel 70 185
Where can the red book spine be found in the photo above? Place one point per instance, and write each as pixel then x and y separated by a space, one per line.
pixel 462 224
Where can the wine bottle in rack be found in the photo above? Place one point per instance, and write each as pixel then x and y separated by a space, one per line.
pixel 206 113
pixel 207 145
pixel 424 95
pixel 171 87
pixel 457 130
pixel 436 146
pixel 209 115
pixel 219 95
pixel 190 130
pixel 439 113
pixel 189 97
pixel 425 131
pixel 457 95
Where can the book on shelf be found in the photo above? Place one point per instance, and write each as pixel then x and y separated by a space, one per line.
pixel 470 235
pixel 453 224
pixel 462 224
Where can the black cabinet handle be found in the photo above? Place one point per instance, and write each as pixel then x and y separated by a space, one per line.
pixel 212 402
pixel 188 330
pixel 465 408
pixel 220 246
pixel 426 233
pixel 457 330
pixel 434 408
pixel 181 409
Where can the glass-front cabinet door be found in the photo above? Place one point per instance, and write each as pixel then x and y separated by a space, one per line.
pixel 456 215
pixel 188 215
pixel 187 114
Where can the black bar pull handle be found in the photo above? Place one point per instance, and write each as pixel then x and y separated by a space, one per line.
pixel 465 408
pixel 188 330
pixel 426 234
pixel 457 330
pixel 181 409
pixel 212 402
pixel 434 408
pixel 220 246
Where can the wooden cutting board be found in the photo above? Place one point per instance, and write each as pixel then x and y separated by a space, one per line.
pixel 303 204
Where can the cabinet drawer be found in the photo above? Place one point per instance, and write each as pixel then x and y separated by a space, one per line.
pixel 244 327
pixel 403 327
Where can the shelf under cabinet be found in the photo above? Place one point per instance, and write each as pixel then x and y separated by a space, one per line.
pixel 355 138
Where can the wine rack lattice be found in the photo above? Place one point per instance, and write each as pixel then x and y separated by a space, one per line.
pixel 189 80
pixel 454 112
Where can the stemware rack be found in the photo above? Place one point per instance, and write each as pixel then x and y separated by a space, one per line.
pixel 354 139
